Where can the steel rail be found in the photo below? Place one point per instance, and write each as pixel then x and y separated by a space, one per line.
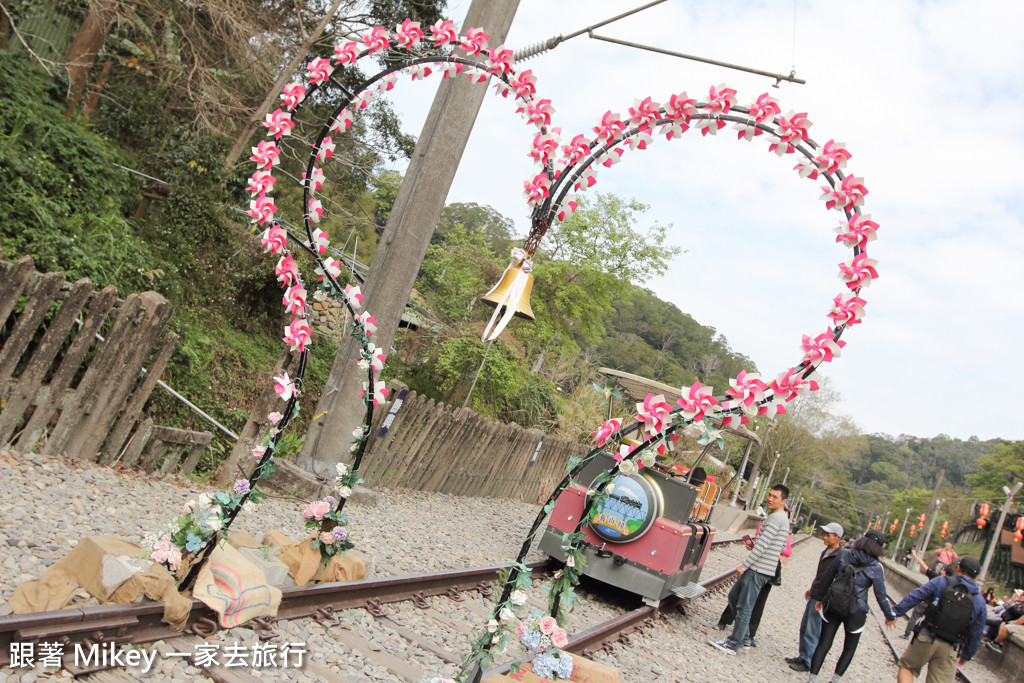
pixel 141 623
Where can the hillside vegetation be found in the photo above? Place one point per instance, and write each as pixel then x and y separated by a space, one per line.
pixel 171 223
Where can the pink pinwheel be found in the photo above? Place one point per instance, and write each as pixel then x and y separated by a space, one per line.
pixel 610 158
pixel 587 179
pixel 624 451
pixel 537 190
pixel 316 180
pixel 376 39
pixel 609 128
pixel 653 413
pixel 681 107
pixel 763 109
pixel 607 429
pixel 747 389
pixel 792 129
pixel 408 34
pixel 858 271
pixel 444 32
pixel 821 348
pixel 420 71
pixel 333 266
pixel 524 83
pixel 265 154
pixel 321 241
pixel 771 409
pixel 286 270
pixel 499 60
pixel 847 309
pixel 319 70
pixel 326 150
pixel 577 148
pixel 368 323
pixel 279 123
pixel 639 140
pixel 849 196
pixel 734 421
pixel 544 145
pixel 857 231
pixel 643 113
pixel 373 358
pixel 347 53
pixel 274 239
pixel 316 211
pixel 354 296
pixel 292 95
pixel 568 207
pixel 475 75
pixel 833 157
pixel 789 384
pixel 720 101
pixel 285 387
pixel 261 182
pixel 451 69
pixel 298 335
pixel 294 299
pixel 673 129
pixel 697 401
pixel 261 208
pixel 474 41
pixel 380 392
pixel 387 83
pixel 363 99
pixel 342 122
pixel 537 112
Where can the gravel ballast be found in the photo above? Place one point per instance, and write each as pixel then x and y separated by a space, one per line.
pixel 50 503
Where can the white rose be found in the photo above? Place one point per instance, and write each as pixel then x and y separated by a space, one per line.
pixel 342 469
pixel 627 467
pixel 492 626
pixel 570 561
pixel 204 500
pixel 648 458
pixel 345 491
pixel 506 614
pixel 518 598
pixel 214 523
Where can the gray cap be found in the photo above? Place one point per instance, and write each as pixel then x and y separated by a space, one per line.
pixel 833 528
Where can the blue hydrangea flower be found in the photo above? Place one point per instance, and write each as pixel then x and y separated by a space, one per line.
pixel 564 665
pixel 193 543
pixel 545 665
pixel 530 640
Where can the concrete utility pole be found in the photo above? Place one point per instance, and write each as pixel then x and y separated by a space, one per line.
pixel 739 474
pixel 998 531
pixel 401 248
pixel 932 509
pixel 899 540
pixel 767 481
pixel 754 471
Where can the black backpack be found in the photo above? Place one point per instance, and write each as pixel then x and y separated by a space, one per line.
pixel 949 617
pixel 842 597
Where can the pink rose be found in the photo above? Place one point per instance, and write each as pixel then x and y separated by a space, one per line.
pixel 327 538
pixel 316 510
pixel 559 639
pixel 520 630
pixel 548 625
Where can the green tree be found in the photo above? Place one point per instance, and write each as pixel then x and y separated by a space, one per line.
pixel 1002 467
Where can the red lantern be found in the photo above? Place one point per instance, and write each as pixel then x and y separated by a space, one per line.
pixel 1017 535
pixel 984 509
pixel 920 520
pixel 1020 524
pixel 896 522
pixel 945 528
pixel 942 533
pixel 878 525
pixel 981 521
pixel 912 531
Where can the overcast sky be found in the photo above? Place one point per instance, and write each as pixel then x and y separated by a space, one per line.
pixel 928 99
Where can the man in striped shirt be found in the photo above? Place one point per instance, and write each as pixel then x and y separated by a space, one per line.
pixel 758 568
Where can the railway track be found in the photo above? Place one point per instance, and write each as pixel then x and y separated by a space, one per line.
pixel 960 674
pixel 137 624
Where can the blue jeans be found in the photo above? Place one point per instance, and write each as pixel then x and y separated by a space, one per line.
pixel 750 583
pixel 810 631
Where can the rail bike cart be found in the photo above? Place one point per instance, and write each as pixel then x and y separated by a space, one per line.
pixel 652 534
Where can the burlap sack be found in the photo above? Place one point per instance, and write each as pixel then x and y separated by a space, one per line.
pixel 305 562
pixel 84 566
pixel 235 588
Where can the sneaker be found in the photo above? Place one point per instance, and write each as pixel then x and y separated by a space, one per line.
pixel 793 660
pixel 992 645
pixel 749 642
pixel 799 666
pixel 723 645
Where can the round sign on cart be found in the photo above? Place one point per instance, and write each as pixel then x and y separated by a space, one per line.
pixel 628 511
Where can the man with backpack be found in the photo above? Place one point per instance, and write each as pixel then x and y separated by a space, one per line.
pixel 953 624
pixel 810 624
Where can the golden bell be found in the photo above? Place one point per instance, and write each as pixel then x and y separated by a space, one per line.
pixel 523 309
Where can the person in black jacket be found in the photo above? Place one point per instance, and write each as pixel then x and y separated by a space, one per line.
pixel 864 552
pixel 810 624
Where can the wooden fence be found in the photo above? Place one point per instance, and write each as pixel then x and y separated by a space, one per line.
pixel 430 446
pixel 73 377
